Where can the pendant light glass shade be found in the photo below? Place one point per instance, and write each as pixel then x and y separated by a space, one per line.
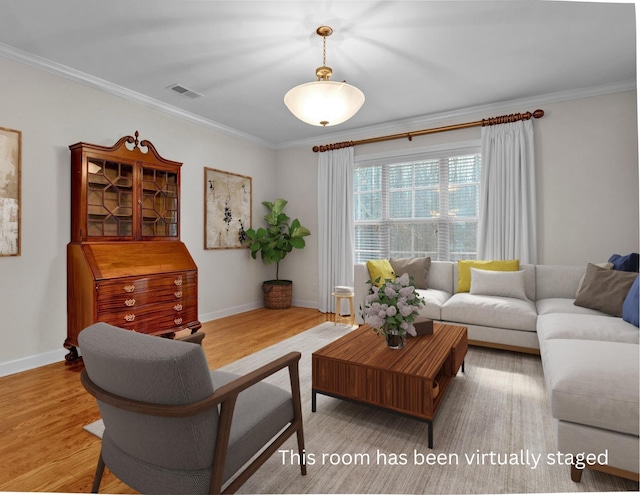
pixel 324 103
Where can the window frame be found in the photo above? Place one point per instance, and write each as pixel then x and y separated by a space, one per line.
pixel 437 152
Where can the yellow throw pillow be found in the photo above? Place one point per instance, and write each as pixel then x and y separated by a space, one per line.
pixel 379 271
pixel 464 270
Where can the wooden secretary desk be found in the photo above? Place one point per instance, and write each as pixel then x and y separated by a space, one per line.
pixel 126 264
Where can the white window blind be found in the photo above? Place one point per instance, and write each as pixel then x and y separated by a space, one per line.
pixel 422 207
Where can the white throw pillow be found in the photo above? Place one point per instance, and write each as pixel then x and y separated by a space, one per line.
pixel 494 283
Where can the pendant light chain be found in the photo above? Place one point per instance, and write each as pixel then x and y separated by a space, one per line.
pixel 324 50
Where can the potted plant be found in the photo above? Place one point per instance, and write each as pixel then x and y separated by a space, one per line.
pixel 273 244
pixel 392 308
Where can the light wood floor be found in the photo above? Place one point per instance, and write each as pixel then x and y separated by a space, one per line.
pixel 42 411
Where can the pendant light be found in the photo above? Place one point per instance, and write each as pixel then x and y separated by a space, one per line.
pixel 323 102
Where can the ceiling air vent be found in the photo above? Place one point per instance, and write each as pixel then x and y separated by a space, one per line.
pixel 181 90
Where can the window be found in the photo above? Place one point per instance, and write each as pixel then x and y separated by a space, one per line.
pixel 424 207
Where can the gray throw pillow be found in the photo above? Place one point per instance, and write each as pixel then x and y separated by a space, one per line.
pixel 606 265
pixel 605 290
pixel 418 268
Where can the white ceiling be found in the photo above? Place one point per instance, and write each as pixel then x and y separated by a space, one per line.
pixel 410 58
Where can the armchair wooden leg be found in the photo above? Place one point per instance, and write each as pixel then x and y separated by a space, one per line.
pixel 576 473
pixel 294 376
pixel 301 452
pixel 97 479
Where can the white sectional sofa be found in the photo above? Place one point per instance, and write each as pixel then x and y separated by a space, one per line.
pixel 590 359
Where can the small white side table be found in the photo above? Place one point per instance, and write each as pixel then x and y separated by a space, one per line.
pixel 339 297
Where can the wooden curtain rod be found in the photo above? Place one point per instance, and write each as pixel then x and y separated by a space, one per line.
pixel 503 119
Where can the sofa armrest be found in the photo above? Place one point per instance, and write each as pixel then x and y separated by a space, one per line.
pixel 361 290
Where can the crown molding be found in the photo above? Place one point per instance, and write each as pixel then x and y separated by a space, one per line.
pixel 392 127
pixel 115 90
pixel 469 113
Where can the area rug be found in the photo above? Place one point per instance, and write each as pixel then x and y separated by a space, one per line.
pixel 492 434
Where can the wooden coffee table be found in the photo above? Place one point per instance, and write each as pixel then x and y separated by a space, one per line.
pixel 359 367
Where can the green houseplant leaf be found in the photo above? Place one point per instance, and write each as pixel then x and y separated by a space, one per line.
pixel 279 238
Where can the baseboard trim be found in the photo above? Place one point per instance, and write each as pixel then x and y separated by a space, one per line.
pixel 216 315
pixel 301 303
pixel 31 362
pixel 38 360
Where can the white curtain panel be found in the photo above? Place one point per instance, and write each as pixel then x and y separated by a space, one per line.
pixel 507 224
pixel 335 224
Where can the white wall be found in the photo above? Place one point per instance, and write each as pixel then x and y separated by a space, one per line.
pixel 587 181
pixel 587 196
pixel 587 152
pixel 53 113
pixel 297 183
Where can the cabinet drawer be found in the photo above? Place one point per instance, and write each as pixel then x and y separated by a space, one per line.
pixel 115 295
pixel 140 300
pixel 153 318
pixel 135 286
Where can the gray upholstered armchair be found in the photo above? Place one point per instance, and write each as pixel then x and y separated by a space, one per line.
pixel 174 426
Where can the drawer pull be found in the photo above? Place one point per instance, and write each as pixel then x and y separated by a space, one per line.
pixel 177 321
pixel 178 294
pixel 129 288
pixel 129 302
pixel 129 317
pixel 178 282
pixel 178 307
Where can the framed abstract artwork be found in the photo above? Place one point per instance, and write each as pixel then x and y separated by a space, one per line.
pixel 227 209
pixel 10 179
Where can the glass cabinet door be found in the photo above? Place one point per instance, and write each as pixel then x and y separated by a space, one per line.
pixel 159 203
pixel 109 199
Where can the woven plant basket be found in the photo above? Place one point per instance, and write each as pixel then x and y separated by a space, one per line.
pixel 277 294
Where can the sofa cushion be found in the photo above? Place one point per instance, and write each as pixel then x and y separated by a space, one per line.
pixel 593 383
pixel 557 281
pixel 494 283
pixel 631 305
pixel 464 270
pixel 417 268
pixel 564 305
pixel 605 290
pixel 433 301
pixel 379 271
pixel 440 276
pixel 490 311
pixel 585 327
